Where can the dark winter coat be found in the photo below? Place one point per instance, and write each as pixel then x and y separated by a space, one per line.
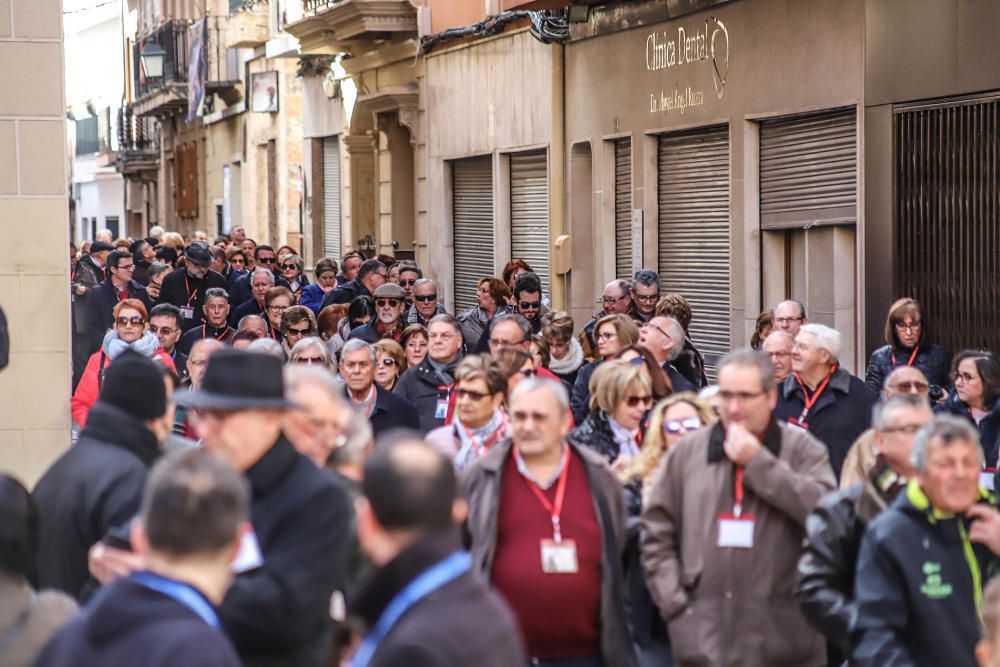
pixel 175 290
pixel 346 293
pixel 412 316
pixel 312 297
pixel 141 272
pixel 128 623
pixel 423 387
pixel 391 412
pixel 192 336
pixel 100 310
pixel 89 275
pixel 240 289
pixel 988 427
pixel 461 624
pixel 691 365
pixel 250 307
pixel 933 361
pixel 278 613
pixel 369 332
pixel 840 415
pixel 678 382
pixel 918 587
pixel 595 433
pixel 94 487
pixel 579 395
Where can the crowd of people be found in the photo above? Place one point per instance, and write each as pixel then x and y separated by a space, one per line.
pixel 277 468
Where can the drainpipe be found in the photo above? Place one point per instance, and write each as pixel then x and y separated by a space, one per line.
pixel 557 176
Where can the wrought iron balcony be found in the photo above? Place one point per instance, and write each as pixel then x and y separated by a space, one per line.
pixel 138 145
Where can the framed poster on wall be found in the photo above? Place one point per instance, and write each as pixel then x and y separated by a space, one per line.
pixel 264 92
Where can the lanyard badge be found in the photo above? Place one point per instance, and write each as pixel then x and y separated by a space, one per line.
pixel 558 554
pixel 807 401
pixel 736 529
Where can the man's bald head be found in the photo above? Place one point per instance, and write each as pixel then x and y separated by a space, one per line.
pixel 906 381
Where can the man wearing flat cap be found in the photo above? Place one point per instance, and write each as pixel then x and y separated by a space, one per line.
pixel 298 551
pixel 185 287
pixel 390 303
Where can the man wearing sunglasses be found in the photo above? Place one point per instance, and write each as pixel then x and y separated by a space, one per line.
pixel 385 410
pixel 388 320
pixel 723 525
pixel 528 300
pixel 409 275
pixel 264 258
pixel 103 298
pixel 425 300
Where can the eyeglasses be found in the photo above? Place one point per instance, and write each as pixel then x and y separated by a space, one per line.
pixel 289 267
pixel 425 297
pixel 741 396
pixel 266 260
pixel 647 298
pixel 965 377
pixel 278 309
pixel 297 332
pixel 675 426
pixel 611 300
pixel 382 303
pixel 125 267
pixel 166 331
pixel 904 326
pixel 633 401
pixel 388 362
pixel 135 321
pixel 908 429
pixel 601 337
pixel 383 276
pixel 530 305
pixel 650 324
pixel 309 361
pixel 787 320
pixel 910 387
pixel 474 395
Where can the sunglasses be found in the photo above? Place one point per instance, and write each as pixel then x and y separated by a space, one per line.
pixel 297 332
pixel 289 267
pixel 909 387
pixel 425 297
pixel 407 283
pixel 382 303
pixel 166 331
pixel 265 260
pixel 675 426
pixel 388 362
pixel 135 320
pixel 309 361
pixel 474 395
pixel 530 305
pixel 633 401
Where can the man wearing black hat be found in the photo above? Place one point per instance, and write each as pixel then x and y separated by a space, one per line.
pixel 93 490
pixel 104 297
pixel 88 273
pixel 277 610
pixel 185 287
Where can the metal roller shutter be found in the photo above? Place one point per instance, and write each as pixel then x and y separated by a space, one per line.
pixel 623 209
pixel 331 199
pixel 693 197
pixel 529 212
pixel 472 216
pixel 809 170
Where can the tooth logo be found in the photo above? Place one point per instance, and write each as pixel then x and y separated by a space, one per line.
pixel 720 55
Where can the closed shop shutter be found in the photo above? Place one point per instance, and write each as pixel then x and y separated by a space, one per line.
pixel 693 198
pixel 623 208
pixel 529 212
pixel 472 215
pixel 331 199
pixel 809 170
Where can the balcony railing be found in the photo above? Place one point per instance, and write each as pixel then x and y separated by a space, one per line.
pixel 171 37
pixel 94 133
pixel 314 6
pixel 137 134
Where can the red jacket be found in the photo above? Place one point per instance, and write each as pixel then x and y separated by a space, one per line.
pixel 88 389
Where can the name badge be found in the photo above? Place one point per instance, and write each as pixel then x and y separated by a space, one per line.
pixel 987 479
pixel 249 557
pixel 441 409
pixel 187 312
pixel 736 532
pixel 795 423
pixel 559 557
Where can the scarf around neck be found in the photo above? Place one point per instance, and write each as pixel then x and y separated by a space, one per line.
pixel 113 346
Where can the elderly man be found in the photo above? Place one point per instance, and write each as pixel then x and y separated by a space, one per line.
pixel 216 324
pixel 261 280
pixel 186 287
pixel 296 555
pixel 664 338
pixel 789 316
pixel 923 562
pixel 835 528
pixel 318 423
pixel 778 347
pixel 165 321
pixel 264 258
pixel 722 529
pixel 197 361
pixel 616 298
pixel 385 410
pixel 105 296
pixel 388 320
pixel 425 302
pixel 371 275
pixel 823 398
pixel 428 386
pixel 547 529
pixel 256 324
pixel 645 294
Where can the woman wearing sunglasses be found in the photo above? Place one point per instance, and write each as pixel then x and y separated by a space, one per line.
pixel 292 268
pixel 312 351
pixel 388 362
pixel 620 396
pixel 669 421
pixel 129 332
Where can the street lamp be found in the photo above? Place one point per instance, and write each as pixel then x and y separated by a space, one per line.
pixel 152 60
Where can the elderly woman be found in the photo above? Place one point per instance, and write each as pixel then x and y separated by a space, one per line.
pixel 491 299
pixel 276 302
pixel 479 423
pixel 297 322
pixel 130 332
pixel 566 355
pixel 293 268
pixel 415 341
pixel 620 395
pixel 908 343
pixel 312 351
pixel 977 398
pixel 388 362
pixel 612 333
pixel 326 280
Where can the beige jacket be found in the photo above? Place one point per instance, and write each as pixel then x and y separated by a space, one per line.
pixel 860 460
pixel 28 620
pixel 731 606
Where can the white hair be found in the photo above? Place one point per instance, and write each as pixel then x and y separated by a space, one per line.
pixel 157 231
pixel 826 338
pixel 267 346
pixel 556 388
pixel 676 333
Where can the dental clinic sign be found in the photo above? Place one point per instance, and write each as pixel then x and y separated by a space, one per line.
pixel 699 45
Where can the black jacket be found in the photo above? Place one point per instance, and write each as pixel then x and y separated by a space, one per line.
pixel 826 570
pixel 595 433
pixel 579 395
pixel 184 290
pixel 345 293
pixel 461 624
pixel 423 387
pixel 918 586
pixel 100 310
pixel 192 336
pixel 89 275
pixel 278 614
pixel 94 487
pixel 840 415
pixel 691 365
pixel 240 289
pixel 391 412
pixel 128 623
pixel 933 361
pixel 988 427
pixel 249 307
pixel 678 382
pixel 369 332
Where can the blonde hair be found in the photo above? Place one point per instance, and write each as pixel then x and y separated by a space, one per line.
pixel 654 445
pixel 625 328
pixel 393 349
pixel 557 326
pixel 173 240
pixel 611 382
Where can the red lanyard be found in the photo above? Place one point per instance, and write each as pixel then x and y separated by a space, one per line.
pixel 909 362
pixel 808 403
pixel 187 288
pixel 204 332
pixel 485 447
pixel 738 493
pixel 554 511
pixel 371 402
